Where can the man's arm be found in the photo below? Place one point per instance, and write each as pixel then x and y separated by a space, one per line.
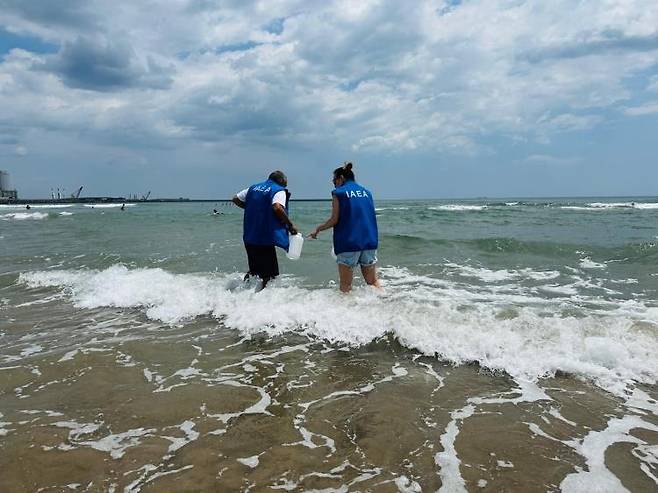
pixel 280 213
pixel 238 202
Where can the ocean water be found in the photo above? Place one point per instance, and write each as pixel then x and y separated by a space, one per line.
pixel 514 347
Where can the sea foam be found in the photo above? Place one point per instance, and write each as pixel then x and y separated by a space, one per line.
pixel 36 206
pixel 22 216
pixel 434 319
pixel 604 206
pixel 457 207
pixel 107 206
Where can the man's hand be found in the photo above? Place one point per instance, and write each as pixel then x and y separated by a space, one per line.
pixel 314 234
pixel 238 202
pixel 293 229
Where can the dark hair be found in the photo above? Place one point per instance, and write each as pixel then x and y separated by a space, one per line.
pixel 345 171
pixel 278 177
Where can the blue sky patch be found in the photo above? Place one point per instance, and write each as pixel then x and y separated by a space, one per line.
pixel 275 26
pixel 9 41
pixel 246 46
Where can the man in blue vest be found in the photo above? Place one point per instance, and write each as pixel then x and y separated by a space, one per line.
pixel 266 224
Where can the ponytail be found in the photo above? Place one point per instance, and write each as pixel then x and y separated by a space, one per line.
pixel 345 171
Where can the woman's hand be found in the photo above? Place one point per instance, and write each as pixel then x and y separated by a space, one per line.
pixel 331 222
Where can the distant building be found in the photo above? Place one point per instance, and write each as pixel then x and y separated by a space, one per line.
pixel 7 193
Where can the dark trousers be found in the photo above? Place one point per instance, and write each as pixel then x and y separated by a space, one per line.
pixel 262 261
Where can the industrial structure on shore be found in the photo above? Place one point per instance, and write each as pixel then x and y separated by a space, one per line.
pixel 7 193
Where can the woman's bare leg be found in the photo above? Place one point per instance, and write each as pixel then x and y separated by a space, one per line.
pixel 370 275
pixel 345 275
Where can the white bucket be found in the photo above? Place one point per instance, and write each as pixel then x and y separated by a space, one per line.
pixel 295 248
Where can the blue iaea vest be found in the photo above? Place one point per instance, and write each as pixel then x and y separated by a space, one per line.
pixel 261 226
pixel 356 229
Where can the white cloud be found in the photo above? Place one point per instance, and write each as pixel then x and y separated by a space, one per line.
pixel 546 159
pixel 372 76
pixel 646 109
pixel 653 83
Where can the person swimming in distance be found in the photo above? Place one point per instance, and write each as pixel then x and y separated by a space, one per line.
pixel 355 229
pixel 28 207
pixel 123 207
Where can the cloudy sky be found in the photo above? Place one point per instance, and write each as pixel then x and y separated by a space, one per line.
pixel 442 98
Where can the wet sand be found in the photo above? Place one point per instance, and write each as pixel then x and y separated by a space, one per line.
pixel 198 408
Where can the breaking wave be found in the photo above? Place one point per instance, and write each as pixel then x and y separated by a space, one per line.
pixel 603 206
pixel 526 336
pixel 457 207
pixel 22 216
pixel 107 206
pixel 36 206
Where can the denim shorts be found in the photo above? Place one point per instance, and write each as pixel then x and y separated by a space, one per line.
pixel 364 258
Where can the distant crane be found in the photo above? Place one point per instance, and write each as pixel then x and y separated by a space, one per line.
pixel 76 195
pixel 146 197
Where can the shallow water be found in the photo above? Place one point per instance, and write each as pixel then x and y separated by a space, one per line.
pixel 514 348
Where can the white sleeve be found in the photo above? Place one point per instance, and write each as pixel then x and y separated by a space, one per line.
pixel 279 198
pixel 242 195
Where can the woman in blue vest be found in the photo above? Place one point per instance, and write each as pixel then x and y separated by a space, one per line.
pixel 355 229
pixel 266 224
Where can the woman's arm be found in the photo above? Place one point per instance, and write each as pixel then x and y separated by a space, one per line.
pixel 331 222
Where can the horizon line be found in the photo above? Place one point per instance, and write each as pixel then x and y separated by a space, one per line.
pixel 188 199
